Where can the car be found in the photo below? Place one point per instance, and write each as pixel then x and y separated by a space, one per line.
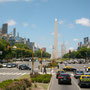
pixel 9 65
pixel 24 67
pixel 86 73
pixel 59 72
pixel 69 68
pixel 88 69
pixel 84 81
pixel 64 78
pixel 78 73
pixel 14 65
pixel 4 64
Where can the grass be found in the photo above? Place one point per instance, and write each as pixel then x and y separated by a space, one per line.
pixel 26 76
pixel 63 59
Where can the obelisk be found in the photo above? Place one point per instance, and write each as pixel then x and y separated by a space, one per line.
pixel 55 41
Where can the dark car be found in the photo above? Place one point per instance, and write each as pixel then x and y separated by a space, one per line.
pixel 14 65
pixel 64 78
pixel 69 68
pixel 24 67
pixel 59 72
pixel 78 73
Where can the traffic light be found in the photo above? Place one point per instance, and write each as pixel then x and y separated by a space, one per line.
pixel 9 49
pixel 69 51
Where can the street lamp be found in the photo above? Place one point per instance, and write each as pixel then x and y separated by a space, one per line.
pixel 41 59
pixel 14 47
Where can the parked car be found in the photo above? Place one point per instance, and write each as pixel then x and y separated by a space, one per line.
pixel 4 64
pixel 78 73
pixel 84 81
pixel 69 68
pixel 24 67
pixel 86 73
pixel 64 78
pixel 14 65
pixel 58 72
pixel 9 65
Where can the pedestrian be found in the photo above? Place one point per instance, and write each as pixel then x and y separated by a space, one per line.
pixel 44 71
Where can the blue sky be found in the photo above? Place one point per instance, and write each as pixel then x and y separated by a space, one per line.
pixel 34 19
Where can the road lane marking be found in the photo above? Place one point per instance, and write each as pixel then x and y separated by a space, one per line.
pixel 13 73
pixel 76 84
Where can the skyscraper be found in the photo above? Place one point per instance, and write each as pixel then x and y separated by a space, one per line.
pixel 14 32
pixel 55 41
pixel 4 28
pixel 63 50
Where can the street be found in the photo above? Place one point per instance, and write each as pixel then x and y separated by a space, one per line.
pixel 13 73
pixel 74 85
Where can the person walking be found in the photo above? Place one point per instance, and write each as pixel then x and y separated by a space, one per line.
pixel 44 71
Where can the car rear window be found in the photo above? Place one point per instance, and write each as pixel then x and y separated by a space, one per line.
pixel 79 71
pixel 85 77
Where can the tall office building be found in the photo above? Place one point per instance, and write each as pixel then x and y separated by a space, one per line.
pixel 63 50
pixel 4 28
pixel 14 32
pixel 55 41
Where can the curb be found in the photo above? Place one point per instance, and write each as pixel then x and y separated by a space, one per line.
pixel 50 83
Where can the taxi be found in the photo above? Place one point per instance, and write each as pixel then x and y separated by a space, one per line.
pixel 69 68
pixel 88 69
pixel 58 72
pixel 84 80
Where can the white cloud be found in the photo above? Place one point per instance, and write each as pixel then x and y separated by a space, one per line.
pixel 25 24
pixel 83 21
pixel 75 39
pixel 61 22
pixel 11 22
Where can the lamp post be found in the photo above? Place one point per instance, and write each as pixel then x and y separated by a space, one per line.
pixel 41 59
pixel 14 47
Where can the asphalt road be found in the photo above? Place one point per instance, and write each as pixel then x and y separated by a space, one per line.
pixel 13 73
pixel 74 86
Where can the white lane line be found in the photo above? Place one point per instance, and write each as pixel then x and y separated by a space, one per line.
pixel 76 84
pixel 13 73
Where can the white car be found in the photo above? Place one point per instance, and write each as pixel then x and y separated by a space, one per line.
pixel 4 65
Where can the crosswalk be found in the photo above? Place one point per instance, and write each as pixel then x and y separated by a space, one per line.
pixel 12 73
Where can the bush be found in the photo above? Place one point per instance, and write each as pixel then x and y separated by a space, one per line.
pixel 42 78
pixel 19 85
pixel 5 83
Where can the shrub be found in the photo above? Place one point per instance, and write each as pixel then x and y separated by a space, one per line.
pixel 42 78
pixel 19 85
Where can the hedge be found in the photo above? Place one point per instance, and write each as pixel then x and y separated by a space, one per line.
pixel 41 78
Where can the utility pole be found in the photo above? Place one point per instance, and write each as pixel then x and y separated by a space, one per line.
pixel 41 59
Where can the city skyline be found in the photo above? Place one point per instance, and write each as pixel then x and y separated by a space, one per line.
pixel 34 19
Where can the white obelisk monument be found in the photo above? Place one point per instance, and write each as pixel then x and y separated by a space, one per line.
pixel 55 41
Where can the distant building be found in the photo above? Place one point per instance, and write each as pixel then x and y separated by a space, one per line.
pixel 44 49
pixel 63 50
pixel 14 33
pixel 4 28
pixel 86 40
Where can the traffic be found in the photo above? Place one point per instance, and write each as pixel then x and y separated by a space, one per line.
pixel 65 75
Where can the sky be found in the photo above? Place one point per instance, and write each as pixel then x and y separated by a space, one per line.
pixel 35 19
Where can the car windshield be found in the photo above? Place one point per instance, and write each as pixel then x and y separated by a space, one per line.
pixel 60 71
pixel 79 72
pixel 85 77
